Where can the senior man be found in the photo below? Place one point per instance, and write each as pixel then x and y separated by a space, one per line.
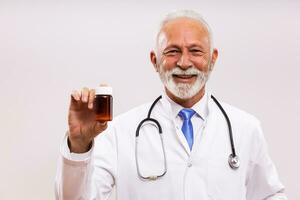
pixel 190 159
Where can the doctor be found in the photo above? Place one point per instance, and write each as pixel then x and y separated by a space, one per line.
pixel 190 159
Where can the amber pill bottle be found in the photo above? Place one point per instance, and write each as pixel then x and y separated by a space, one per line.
pixel 103 104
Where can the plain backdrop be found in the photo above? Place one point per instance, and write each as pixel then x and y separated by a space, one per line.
pixel 48 48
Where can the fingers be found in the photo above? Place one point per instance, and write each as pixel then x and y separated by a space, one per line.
pixel 86 95
pixel 91 98
pixel 76 95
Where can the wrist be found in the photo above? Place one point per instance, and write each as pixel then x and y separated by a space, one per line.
pixel 79 146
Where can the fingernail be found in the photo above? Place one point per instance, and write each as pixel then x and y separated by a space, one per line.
pixel 103 123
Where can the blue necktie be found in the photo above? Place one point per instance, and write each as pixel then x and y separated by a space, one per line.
pixel 187 127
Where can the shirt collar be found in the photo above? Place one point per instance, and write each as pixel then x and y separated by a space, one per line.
pixel 201 107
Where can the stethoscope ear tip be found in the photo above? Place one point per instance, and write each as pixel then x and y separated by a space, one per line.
pixel 234 161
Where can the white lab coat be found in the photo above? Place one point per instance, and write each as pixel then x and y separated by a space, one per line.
pixel 203 173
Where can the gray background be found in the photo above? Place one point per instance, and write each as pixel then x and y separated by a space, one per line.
pixel 48 48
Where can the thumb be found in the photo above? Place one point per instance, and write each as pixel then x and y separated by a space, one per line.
pixel 100 127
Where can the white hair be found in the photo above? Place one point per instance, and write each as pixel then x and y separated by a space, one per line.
pixel 191 14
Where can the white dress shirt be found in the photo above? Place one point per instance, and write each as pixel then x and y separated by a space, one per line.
pixel 198 120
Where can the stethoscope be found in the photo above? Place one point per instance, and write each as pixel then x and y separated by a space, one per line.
pixel 233 159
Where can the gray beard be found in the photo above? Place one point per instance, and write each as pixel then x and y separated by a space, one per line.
pixel 184 90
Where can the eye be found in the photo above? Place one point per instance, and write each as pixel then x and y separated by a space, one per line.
pixel 196 51
pixel 171 52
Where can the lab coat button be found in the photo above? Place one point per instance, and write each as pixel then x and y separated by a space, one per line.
pixel 189 164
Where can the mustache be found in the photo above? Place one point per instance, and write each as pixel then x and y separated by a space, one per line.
pixel 190 71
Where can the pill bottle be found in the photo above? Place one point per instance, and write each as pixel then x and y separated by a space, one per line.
pixel 103 103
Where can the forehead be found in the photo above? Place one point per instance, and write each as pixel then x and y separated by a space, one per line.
pixel 183 29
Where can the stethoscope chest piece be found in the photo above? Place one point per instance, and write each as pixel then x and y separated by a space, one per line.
pixel 234 161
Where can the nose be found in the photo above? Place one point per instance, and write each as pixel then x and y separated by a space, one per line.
pixel 184 61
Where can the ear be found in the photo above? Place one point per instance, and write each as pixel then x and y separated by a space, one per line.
pixel 214 57
pixel 153 59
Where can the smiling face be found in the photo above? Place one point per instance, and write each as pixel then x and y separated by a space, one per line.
pixel 184 59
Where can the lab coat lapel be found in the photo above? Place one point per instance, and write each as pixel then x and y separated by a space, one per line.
pixel 167 110
pixel 209 131
pixel 181 138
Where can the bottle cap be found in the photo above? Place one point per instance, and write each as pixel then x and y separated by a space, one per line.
pixel 104 90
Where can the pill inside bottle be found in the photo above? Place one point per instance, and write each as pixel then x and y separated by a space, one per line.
pixel 103 103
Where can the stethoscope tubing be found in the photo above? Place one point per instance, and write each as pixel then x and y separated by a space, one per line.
pixel 233 159
pixel 228 124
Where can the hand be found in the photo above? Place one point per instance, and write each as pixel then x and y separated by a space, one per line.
pixel 83 127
